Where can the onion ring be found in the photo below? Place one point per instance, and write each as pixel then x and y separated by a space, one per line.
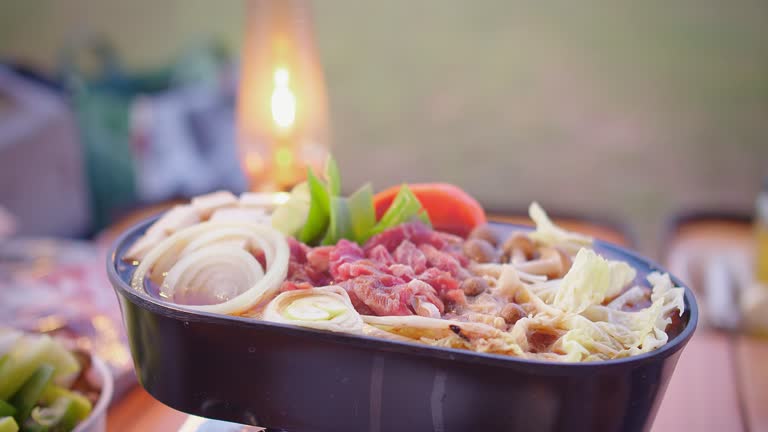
pixel 194 259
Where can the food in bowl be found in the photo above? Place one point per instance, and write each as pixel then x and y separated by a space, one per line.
pixel 414 263
pixel 44 385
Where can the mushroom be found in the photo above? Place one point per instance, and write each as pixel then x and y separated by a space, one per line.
pixel 518 247
pixel 485 232
pixel 480 250
pixel 509 283
pixel 473 286
pixel 511 312
pixel 551 262
pixel 565 259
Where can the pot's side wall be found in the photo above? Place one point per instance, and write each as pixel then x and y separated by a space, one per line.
pixel 299 383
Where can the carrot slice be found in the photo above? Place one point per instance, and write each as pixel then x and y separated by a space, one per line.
pixel 450 209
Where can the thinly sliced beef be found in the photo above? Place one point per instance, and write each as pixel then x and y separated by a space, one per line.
pixel 293 286
pixel 416 232
pixel 402 271
pixel 408 254
pixel 399 299
pixel 444 261
pixel 393 274
pixel 459 256
pixel 441 280
pixel 298 250
pixel 455 298
pixel 379 298
pixel 319 258
pixel 368 268
pixel 345 252
pixel 425 292
pixel 380 254
pixel 302 275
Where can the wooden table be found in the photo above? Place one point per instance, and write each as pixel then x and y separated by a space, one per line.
pixel 720 383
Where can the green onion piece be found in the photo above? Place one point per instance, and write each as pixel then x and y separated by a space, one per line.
pixel 6 409
pixel 8 424
pixel 319 209
pixel 81 403
pixel 62 415
pixel 362 213
pixel 32 426
pixel 314 309
pixel 30 392
pixel 291 217
pixel 333 177
pixel 404 208
pixel 340 225
pixel 20 364
pixel 423 216
pixel 28 353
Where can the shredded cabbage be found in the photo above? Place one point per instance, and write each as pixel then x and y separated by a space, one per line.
pixel 621 276
pixel 549 234
pixel 590 281
pixel 603 332
pixel 573 308
pixel 633 295
pixel 511 288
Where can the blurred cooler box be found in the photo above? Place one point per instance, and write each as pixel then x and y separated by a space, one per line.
pixel 41 174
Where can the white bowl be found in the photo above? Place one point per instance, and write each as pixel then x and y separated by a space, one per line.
pixel 100 376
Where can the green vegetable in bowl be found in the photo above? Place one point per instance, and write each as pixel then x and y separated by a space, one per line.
pixel 33 369
pixel 6 409
pixel 81 404
pixel 28 354
pixel 63 414
pixel 8 424
pixel 26 398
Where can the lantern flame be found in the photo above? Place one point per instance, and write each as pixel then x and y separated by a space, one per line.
pixel 283 100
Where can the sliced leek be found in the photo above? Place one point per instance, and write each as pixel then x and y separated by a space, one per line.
pixel 326 308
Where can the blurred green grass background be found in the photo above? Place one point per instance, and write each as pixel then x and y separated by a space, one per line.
pixel 631 110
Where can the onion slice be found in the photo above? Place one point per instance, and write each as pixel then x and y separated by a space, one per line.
pixel 209 263
pixel 325 308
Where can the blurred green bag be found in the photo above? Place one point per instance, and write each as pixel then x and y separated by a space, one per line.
pixel 102 101
pixel 102 104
